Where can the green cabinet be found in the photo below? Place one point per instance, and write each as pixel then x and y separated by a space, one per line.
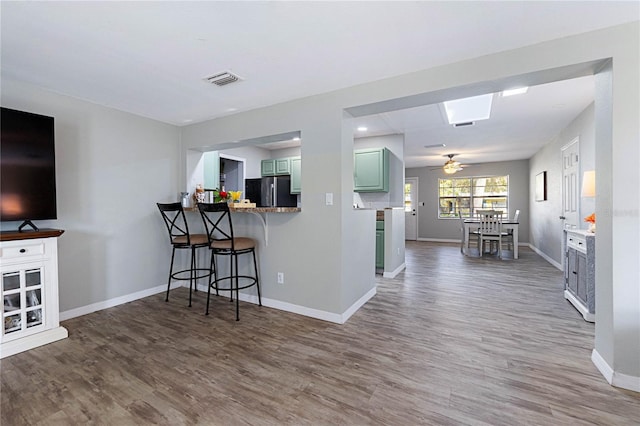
pixel 371 170
pixel 283 166
pixel 276 167
pixel 211 164
pixel 296 171
pixel 380 244
pixel 268 167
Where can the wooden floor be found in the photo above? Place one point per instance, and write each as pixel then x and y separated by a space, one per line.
pixel 452 341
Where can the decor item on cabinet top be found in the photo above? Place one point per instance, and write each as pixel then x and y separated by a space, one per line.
pixel 198 195
pixel 591 219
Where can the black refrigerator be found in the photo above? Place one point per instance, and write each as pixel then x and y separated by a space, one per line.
pixel 270 191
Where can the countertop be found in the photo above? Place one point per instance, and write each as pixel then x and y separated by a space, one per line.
pixel 256 209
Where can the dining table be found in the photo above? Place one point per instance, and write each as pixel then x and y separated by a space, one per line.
pixel 508 224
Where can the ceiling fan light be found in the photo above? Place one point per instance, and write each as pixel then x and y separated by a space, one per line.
pixel 449 170
pixel 450 167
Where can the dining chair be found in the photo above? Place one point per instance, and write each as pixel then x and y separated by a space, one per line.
pixel 490 230
pixel 472 232
pixel 222 242
pixel 181 239
pixel 508 235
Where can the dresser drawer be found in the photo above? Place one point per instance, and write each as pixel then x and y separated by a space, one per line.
pixel 577 242
pixel 21 249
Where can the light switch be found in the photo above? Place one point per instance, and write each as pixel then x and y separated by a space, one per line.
pixel 328 198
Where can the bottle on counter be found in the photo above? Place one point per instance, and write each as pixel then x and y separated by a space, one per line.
pixel 184 199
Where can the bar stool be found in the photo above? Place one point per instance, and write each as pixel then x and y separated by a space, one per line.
pixel 180 238
pixel 222 242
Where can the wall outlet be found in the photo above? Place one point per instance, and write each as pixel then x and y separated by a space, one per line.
pixel 398 250
pixel 280 277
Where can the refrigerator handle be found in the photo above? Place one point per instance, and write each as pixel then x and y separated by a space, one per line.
pixel 273 196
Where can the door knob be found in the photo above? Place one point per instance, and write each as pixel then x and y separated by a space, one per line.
pixel 562 217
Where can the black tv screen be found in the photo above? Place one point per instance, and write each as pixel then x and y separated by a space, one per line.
pixel 27 167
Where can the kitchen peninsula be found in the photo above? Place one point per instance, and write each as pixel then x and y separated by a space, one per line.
pixel 260 212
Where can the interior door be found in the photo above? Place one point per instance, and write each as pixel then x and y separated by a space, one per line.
pixel 570 184
pixel 411 209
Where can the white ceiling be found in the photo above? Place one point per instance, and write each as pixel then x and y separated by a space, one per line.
pixel 149 59
pixel 519 125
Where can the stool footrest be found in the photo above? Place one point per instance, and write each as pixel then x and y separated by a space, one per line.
pixel 252 281
pixel 206 272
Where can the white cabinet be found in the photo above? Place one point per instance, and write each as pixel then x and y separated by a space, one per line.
pixel 29 290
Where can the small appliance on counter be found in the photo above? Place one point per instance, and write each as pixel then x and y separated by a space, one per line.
pixel 271 191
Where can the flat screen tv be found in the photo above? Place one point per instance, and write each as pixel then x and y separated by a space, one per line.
pixel 27 167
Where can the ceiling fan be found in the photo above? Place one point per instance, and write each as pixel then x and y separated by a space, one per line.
pixel 451 166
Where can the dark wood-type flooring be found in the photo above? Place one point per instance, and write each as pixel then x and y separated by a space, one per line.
pixel 454 340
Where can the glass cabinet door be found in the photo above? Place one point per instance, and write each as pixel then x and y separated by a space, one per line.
pixel 22 293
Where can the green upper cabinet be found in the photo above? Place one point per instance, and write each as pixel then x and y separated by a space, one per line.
pixel 275 167
pixel 296 171
pixel 283 166
pixel 211 164
pixel 268 167
pixel 371 170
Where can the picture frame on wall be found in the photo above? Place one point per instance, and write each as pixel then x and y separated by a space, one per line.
pixel 541 186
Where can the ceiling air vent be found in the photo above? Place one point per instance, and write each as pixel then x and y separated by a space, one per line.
pixel 222 78
pixel 468 123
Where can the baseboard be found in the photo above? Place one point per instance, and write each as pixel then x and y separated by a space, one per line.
pixel 270 303
pixel 618 380
pixel 310 312
pixel 395 272
pixel 602 366
pixel 544 256
pixel 439 240
pixel 357 305
pixel 98 306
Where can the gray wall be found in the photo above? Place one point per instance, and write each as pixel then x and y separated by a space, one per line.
pixel 430 227
pixel 111 169
pixel 546 227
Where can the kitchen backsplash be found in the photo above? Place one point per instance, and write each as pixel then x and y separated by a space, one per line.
pixel 372 200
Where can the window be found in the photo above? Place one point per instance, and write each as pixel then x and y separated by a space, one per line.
pixel 469 194
pixel 408 202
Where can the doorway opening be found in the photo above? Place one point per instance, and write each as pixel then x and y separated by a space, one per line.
pixel 232 173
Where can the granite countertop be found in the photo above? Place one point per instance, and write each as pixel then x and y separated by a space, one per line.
pixel 265 209
pixel 255 209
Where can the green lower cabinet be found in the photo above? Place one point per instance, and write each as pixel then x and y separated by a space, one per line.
pixel 296 172
pixel 380 244
pixel 371 170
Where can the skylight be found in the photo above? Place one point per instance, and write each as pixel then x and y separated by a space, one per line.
pixel 517 91
pixel 469 109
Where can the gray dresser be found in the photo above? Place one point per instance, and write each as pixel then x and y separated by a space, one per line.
pixel 579 272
